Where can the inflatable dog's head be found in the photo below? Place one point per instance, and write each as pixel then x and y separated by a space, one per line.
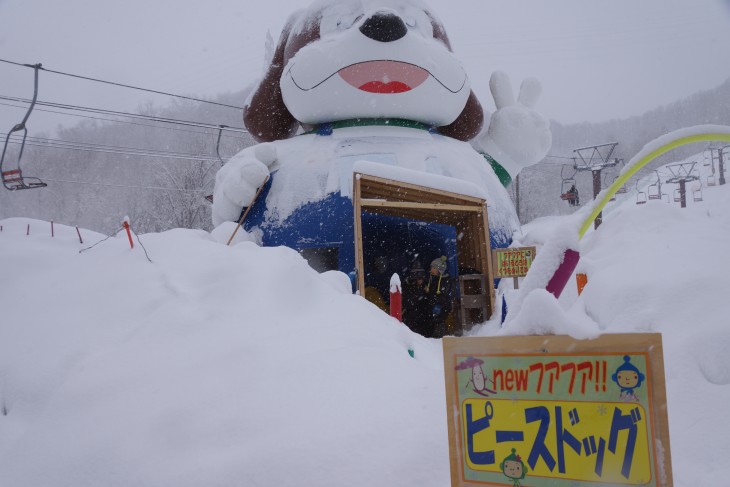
pixel 350 59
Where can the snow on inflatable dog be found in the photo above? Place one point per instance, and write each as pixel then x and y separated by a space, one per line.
pixel 374 80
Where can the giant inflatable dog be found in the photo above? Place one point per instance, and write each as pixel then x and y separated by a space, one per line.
pixel 372 80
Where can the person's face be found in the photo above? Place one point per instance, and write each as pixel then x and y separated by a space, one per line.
pixel 477 376
pixel 418 276
pixel 627 378
pixel 513 469
pixel 434 271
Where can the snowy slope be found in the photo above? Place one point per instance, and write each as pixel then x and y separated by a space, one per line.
pixel 230 366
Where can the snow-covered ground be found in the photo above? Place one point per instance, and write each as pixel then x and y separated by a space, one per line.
pixel 230 366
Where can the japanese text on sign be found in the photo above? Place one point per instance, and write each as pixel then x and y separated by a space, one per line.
pixel 513 262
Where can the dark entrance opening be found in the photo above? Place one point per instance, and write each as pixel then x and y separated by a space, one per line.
pixel 398 223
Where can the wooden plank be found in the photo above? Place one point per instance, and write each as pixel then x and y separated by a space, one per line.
pixel 403 186
pixel 369 202
pixel 485 253
pixel 357 212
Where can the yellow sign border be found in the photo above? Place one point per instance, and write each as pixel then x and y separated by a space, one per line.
pixel 649 344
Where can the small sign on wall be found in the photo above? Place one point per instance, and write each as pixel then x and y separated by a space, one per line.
pixel 513 262
pixel 555 411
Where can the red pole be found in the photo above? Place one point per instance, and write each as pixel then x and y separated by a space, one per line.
pixel 52 229
pixel 27 232
pixel 396 299
pixel 77 231
pixel 129 233
pixel 581 280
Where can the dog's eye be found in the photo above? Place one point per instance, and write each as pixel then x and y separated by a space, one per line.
pixel 347 22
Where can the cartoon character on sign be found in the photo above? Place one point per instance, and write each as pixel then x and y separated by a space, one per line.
pixel 478 379
pixel 373 82
pixel 514 468
pixel 628 378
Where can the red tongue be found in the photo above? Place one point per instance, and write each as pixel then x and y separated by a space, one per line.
pixel 384 77
pixel 387 88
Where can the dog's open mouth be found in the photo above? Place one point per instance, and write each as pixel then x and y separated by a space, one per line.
pixel 384 77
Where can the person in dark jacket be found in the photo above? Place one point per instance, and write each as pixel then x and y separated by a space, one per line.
pixel 416 310
pixel 439 295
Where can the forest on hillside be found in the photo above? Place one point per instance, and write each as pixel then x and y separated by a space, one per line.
pixel 159 173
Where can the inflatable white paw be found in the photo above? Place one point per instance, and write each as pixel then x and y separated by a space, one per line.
pixel 238 181
pixel 518 136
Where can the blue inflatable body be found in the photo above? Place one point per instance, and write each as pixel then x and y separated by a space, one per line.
pixel 323 232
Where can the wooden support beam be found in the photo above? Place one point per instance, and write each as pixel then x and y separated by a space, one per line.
pixel 378 203
pixel 359 260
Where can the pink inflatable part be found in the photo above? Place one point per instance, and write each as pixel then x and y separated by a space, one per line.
pixel 564 271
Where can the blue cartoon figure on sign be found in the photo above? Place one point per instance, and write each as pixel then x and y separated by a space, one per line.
pixel 628 378
pixel 478 380
pixel 514 468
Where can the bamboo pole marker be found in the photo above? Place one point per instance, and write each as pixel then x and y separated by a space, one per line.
pixel 245 213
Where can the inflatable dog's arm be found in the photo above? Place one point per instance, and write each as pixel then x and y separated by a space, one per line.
pixel 518 136
pixel 237 181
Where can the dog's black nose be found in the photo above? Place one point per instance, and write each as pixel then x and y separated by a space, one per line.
pixel 384 27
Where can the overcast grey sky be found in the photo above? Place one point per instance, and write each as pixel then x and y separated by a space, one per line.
pixel 596 59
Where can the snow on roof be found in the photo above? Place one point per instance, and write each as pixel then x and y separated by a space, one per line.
pixel 434 181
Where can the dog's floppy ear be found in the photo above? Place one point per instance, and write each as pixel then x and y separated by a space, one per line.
pixel 266 116
pixel 469 122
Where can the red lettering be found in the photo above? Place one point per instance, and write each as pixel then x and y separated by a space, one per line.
pixel 498 379
pixel 509 378
pixel 538 366
pixel 554 369
pixel 522 376
pixel 582 368
pixel 570 366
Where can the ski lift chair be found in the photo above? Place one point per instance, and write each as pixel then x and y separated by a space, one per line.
pixel 677 195
pixel 569 190
pixel 640 195
pixel 654 190
pixel 697 193
pixel 711 181
pixel 12 175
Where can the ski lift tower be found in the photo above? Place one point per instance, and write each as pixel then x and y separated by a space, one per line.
pixel 595 158
pixel 721 151
pixel 682 173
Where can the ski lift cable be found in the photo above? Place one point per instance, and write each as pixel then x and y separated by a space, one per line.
pixel 125 153
pixel 129 153
pixel 125 114
pixel 117 121
pixel 87 78
pixel 128 150
pixel 90 145
pixel 126 186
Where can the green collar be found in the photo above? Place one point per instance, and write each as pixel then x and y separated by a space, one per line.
pixel 327 128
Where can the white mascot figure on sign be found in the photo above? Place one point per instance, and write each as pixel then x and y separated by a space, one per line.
pixel 376 81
